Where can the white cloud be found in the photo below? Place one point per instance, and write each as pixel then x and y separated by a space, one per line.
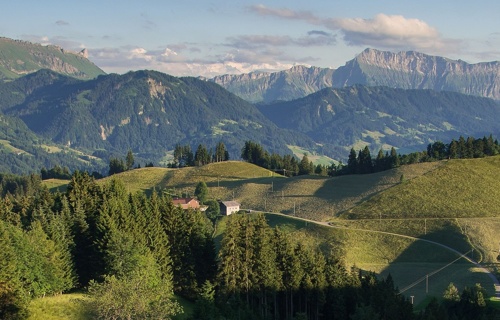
pixel 391 32
pixel 383 31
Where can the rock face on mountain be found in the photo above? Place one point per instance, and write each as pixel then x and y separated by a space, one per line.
pixel 406 70
pixel 296 82
pixel 415 70
pixel 18 58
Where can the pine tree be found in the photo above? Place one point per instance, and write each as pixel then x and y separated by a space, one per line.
pixel 365 163
pixel 201 191
pixel 201 157
pixel 352 162
pixel 129 160
pixel 304 166
pixel 220 152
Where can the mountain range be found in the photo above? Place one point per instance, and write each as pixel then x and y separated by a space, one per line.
pixel 406 70
pixel 145 111
pixel 81 119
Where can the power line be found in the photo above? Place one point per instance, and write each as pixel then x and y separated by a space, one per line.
pixel 426 277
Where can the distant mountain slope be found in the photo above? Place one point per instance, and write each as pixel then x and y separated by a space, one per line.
pixel 415 70
pixel 385 117
pixel 148 112
pixel 407 70
pixel 294 83
pixel 18 58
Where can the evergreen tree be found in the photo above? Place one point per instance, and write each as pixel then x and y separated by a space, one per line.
pixel 451 293
pixel 304 166
pixel 394 158
pixel 352 162
pixel 380 161
pixel 220 152
pixel 116 166
pixel 201 156
pixel 365 164
pixel 129 160
pixel 201 191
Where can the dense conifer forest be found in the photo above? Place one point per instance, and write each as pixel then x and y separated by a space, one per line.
pixel 131 253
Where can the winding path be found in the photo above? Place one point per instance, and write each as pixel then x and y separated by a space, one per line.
pixel 496 283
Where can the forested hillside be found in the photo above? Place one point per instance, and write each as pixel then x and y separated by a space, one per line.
pixel 383 117
pixel 146 112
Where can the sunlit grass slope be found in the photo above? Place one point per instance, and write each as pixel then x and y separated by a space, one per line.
pixel 458 188
pixel 61 307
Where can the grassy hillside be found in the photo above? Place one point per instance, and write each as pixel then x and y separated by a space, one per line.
pixel 457 188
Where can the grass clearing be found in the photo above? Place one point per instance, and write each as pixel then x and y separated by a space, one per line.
pixel 10 148
pixel 315 158
pixel 61 307
pixel 55 185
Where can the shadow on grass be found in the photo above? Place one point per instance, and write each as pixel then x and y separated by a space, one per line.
pixel 426 269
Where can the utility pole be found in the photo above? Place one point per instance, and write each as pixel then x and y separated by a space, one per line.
pixel 427 283
pixel 425 226
pixel 412 299
pixel 294 208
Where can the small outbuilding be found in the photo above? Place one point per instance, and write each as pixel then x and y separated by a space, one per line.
pixel 229 207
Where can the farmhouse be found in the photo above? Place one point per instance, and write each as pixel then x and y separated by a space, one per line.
pixel 229 207
pixel 186 203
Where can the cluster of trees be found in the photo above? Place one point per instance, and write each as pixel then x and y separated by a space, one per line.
pixel 132 251
pixel 253 152
pixel 265 273
pixel 57 172
pixel 470 304
pixel 184 157
pixel 464 148
pixel 362 162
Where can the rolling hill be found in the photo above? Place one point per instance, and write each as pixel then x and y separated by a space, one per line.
pixel 355 204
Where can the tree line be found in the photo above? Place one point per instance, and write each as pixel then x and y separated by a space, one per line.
pixel 184 157
pixel 362 161
pixel 287 164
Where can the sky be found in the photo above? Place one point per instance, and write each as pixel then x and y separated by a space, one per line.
pixel 208 38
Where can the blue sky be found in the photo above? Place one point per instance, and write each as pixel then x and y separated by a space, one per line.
pixel 188 37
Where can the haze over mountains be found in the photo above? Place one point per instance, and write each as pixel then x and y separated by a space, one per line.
pixel 376 99
pixel 406 70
